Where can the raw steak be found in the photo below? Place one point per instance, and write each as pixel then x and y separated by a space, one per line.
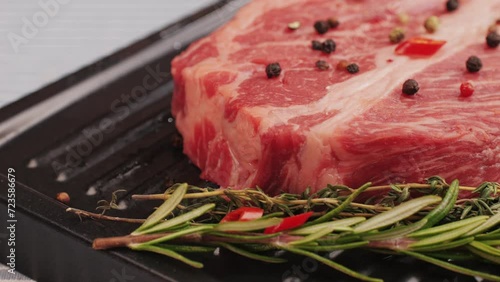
pixel 309 127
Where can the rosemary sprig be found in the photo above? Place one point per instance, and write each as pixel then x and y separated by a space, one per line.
pixel 396 214
pixel 331 198
pixel 431 226
pixel 334 212
pixel 164 210
pixel 251 255
pixel 163 250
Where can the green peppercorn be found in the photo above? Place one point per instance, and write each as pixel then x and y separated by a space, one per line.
pixel 403 18
pixel 294 25
pixel 396 35
pixel 431 24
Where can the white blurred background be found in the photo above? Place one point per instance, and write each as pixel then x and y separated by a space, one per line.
pixel 43 40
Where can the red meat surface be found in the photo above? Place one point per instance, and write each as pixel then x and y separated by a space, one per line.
pixel 308 127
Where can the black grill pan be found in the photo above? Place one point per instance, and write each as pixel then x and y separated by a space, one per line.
pixel 139 154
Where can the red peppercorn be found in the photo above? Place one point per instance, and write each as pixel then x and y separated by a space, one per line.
pixel 63 197
pixel 342 65
pixel 466 89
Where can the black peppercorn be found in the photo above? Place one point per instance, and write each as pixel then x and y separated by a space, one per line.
pixel 333 22
pixel 328 46
pixel 322 65
pixel 273 70
pixel 451 5
pixel 473 64
pixel 321 26
pixel 493 39
pixel 352 68
pixel 316 45
pixel 410 87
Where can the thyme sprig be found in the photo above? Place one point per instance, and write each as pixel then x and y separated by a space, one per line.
pixel 109 205
pixel 424 221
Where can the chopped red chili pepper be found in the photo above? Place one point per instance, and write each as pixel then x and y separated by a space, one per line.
pixel 419 46
pixel 466 89
pixel 243 214
pixel 289 223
